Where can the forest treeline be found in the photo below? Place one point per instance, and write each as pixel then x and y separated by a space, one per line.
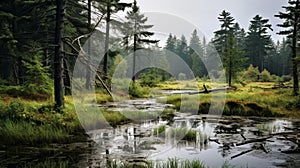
pixel 41 39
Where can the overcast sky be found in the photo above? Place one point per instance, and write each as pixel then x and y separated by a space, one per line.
pixel 203 13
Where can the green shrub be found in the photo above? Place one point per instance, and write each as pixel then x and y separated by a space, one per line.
pixel 265 76
pixel 251 74
pixel 181 76
pixel 149 79
pixel 160 130
pixel 135 90
pixel 285 78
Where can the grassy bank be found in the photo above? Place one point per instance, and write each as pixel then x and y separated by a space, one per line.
pixel 253 99
pixel 37 122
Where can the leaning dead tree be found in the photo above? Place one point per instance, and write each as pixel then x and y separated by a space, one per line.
pixel 85 60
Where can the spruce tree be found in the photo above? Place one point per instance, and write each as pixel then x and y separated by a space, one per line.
pixel 136 33
pixel 291 18
pixel 258 42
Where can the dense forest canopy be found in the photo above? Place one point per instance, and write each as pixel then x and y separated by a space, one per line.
pixel 41 39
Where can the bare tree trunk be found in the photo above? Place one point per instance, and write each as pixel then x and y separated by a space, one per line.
pixel 88 71
pixel 58 57
pixel 294 54
pixel 106 41
pixel 134 50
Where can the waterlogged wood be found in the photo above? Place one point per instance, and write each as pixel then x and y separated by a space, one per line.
pixel 242 153
pixel 292 151
pixel 205 91
pixel 253 140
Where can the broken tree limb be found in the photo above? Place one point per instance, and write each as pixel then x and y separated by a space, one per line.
pixel 253 140
pixel 264 148
pixel 200 91
pixel 211 90
pixel 286 133
pixel 294 140
pixel 243 136
pixel 242 153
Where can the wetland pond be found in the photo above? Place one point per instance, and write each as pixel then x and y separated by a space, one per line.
pixel 239 141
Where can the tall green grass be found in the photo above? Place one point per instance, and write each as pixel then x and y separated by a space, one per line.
pixel 22 132
pixel 49 164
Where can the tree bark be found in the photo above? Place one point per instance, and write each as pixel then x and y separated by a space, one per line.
pixel 134 50
pixel 58 57
pixel 294 53
pixel 106 42
pixel 88 84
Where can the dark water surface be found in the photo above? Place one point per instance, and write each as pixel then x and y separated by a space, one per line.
pixel 217 139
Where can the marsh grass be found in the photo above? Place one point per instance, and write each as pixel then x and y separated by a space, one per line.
pixel 26 133
pixel 160 131
pixel 49 164
pixel 170 163
pixel 183 133
pixel 253 99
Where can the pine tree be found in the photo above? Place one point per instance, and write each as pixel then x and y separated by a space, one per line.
pixel 182 50
pixel 110 7
pixel 227 22
pixel 171 43
pixel 231 58
pixel 196 52
pixel 136 33
pixel 227 46
pixel 291 23
pixel 258 41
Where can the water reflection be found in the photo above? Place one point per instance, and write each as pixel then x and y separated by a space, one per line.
pixel 207 142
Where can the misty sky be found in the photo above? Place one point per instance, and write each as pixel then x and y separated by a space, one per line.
pixel 203 13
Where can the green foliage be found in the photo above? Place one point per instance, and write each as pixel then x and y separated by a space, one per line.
pixel 265 76
pixel 251 74
pixel 160 131
pixel 37 80
pixel 184 134
pixel 149 79
pixel 285 78
pixel 49 164
pixel 119 68
pixel 135 90
pixel 181 76
pixel 24 132
pixel 258 41
pixel 176 163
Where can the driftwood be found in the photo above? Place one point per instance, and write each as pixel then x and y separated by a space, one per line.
pixel 205 91
pixel 292 151
pixel 243 136
pixel 242 153
pixel 253 140
pixel 260 145
pixel 285 133
pixel 210 90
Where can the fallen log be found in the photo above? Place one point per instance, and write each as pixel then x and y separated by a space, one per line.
pixel 264 148
pixel 211 90
pixel 294 140
pixel 286 133
pixel 291 151
pixel 242 153
pixel 253 140
pixel 205 91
